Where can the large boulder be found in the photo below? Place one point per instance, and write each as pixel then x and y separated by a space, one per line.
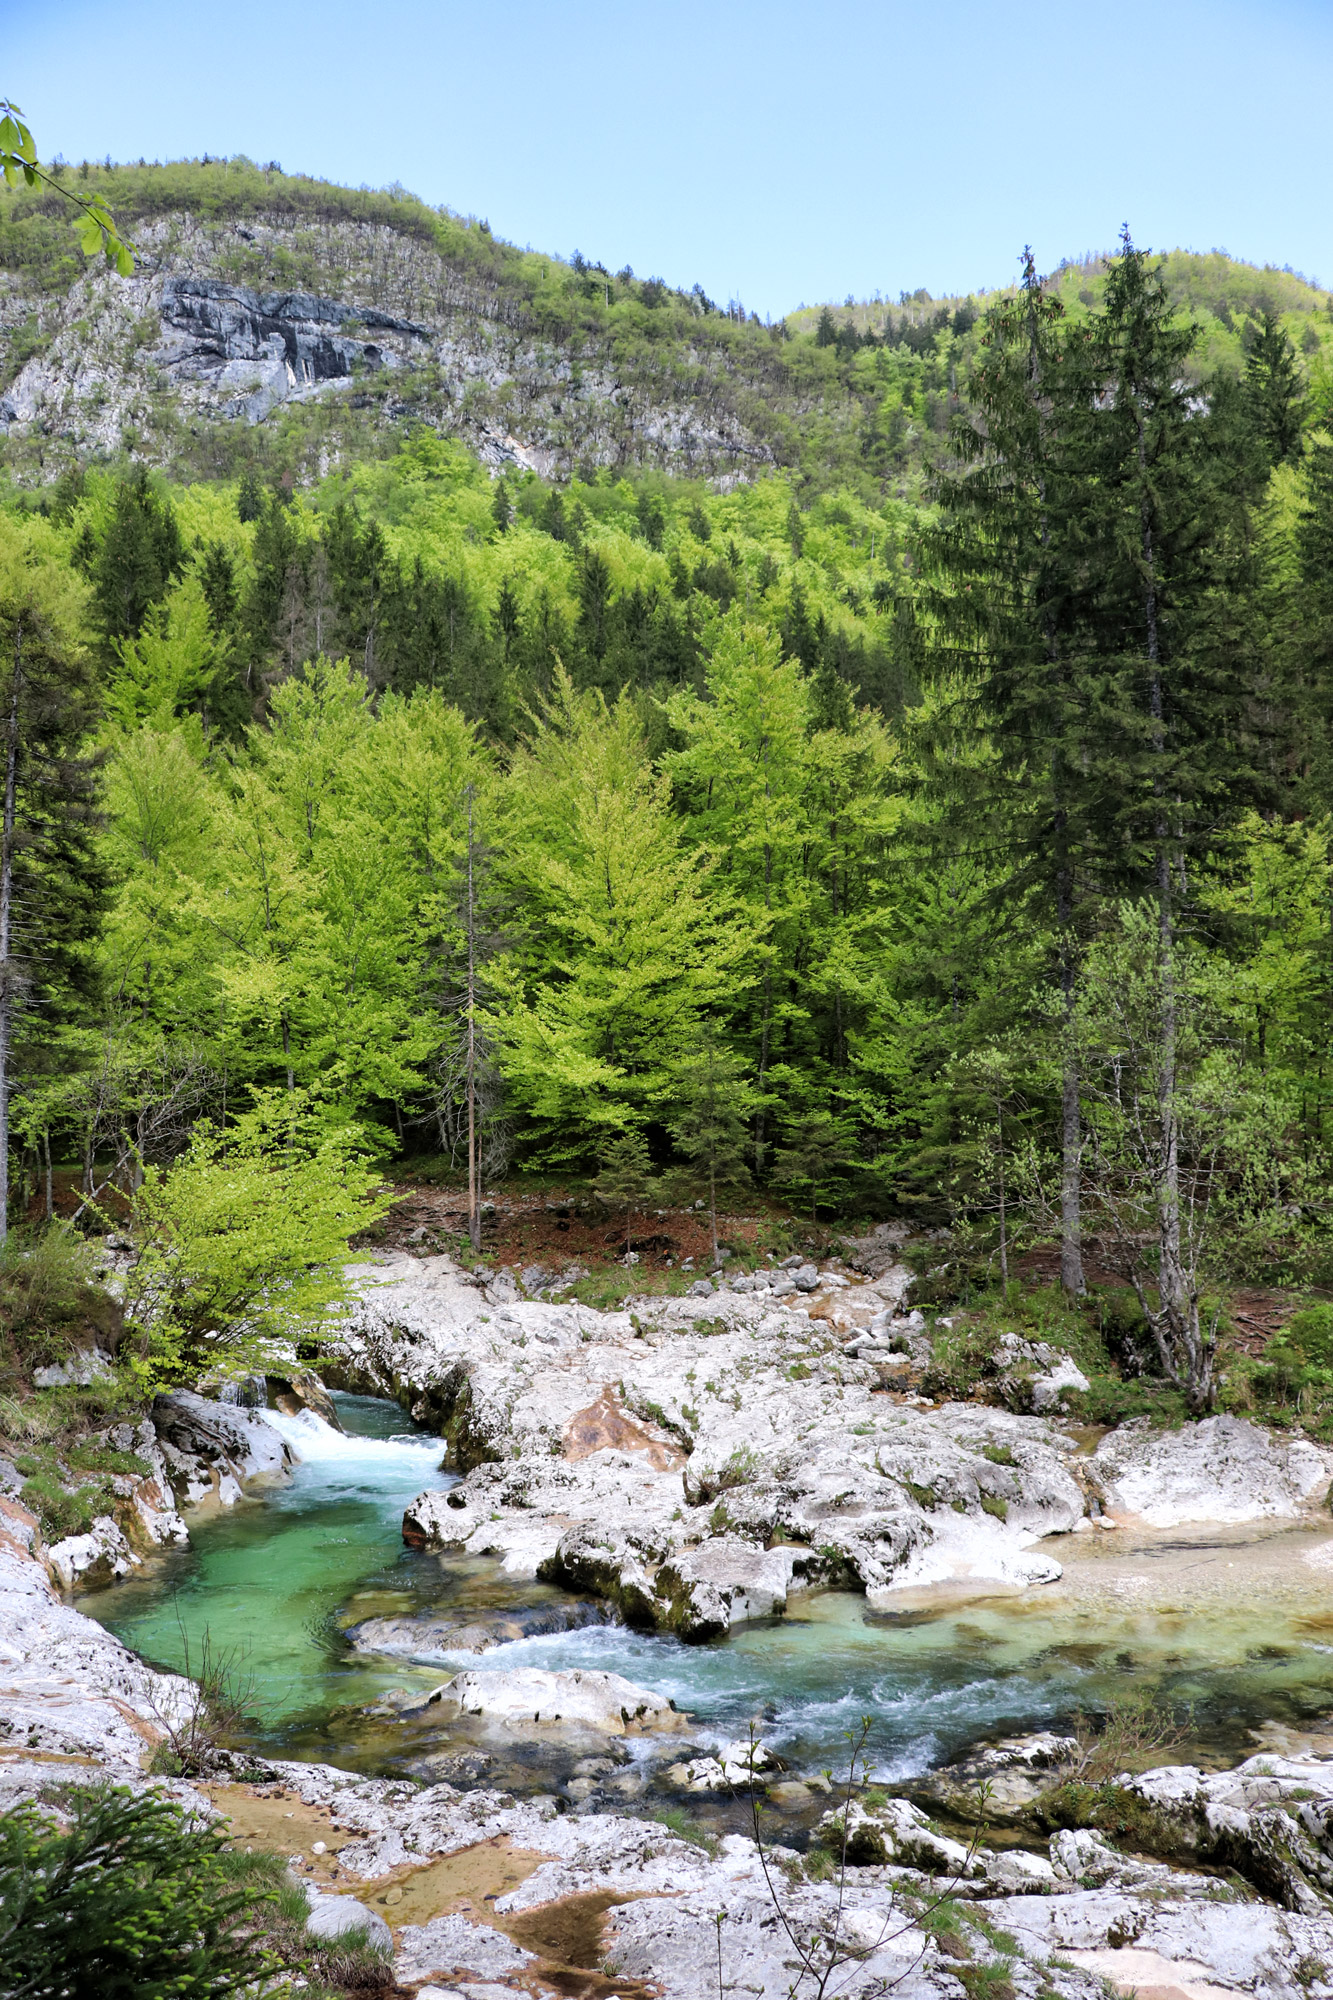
pixel 235 1442
pixel 1222 1470
pixel 578 1698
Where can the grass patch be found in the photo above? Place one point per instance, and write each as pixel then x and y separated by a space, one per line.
pixel 676 1820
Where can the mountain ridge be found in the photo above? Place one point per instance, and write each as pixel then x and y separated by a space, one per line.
pixel 563 368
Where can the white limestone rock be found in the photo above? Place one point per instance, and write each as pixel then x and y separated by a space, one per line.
pixel 337 1916
pixel 692 1472
pixel 68 1688
pixel 578 1697
pixel 1222 1470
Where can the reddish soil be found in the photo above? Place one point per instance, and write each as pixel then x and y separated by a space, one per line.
pixel 554 1227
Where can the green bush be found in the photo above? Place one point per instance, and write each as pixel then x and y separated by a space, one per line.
pixel 62 1512
pixel 130 1902
pixel 1310 1332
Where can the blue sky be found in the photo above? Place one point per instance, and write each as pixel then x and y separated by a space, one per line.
pixel 776 153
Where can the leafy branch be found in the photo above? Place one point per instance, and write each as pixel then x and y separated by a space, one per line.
pixel 95 226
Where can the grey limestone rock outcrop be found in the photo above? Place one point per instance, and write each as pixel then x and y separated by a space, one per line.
pixel 692 1472
pixel 209 331
pixel 193 1450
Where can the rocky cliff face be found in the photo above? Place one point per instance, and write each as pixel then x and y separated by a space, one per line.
pixel 229 325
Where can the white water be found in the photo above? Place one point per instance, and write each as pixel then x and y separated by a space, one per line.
pixel 1237 1637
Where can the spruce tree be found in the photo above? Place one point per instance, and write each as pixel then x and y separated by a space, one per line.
pixel 53 885
pixel 625 1181
pixel 138 556
pixel 1172 660
pixel 1275 391
pixel 1010 588
pixel 709 1125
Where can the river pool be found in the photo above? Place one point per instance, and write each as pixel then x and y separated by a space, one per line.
pixel 1230 1628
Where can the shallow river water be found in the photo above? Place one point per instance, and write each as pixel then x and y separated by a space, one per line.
pixel 1230 1628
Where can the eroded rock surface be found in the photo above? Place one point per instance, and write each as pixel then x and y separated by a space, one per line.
pixel 692 1470
pixel 1222 1469
pixel 67 1687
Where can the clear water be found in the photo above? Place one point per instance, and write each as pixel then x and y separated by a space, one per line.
pixel 265 1582
pixel 1230 1630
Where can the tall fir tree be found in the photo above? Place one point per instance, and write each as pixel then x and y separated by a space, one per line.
pixel 1275 392
pixel 1011 584
pixel 53 881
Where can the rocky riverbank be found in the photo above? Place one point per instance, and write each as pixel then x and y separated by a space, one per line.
pixel 689 1464
pixel 693 1461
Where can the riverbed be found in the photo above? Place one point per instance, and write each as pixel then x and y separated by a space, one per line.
pixel 1229 1629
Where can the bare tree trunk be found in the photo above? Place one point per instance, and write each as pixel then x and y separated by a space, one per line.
pixel 473 1201
pixel 712 1202
pixel 1004 1231
pixel 7 926
pixel 50 1178
pixel 1071 1138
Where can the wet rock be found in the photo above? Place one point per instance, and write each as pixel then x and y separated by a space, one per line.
pixel 221 1436
pixel 997 1783
pixel 303 1392
pixel 1222 1469
pixel 427 1637
pixel 704 1592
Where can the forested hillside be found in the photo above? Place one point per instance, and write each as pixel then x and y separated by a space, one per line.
pixel 925 814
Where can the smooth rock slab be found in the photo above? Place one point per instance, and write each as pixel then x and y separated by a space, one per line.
pixel 336 1916
pixel 1222 1469
pixel 602 1701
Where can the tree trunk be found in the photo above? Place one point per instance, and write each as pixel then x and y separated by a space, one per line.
pixel 712 1203
pixel 1004 1236
pixel 7 927
pixel 1071 1136
pixel 473 1199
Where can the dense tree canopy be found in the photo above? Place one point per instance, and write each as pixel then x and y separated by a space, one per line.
pixel 798 826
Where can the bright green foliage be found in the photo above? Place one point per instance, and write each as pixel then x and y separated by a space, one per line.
pixel 132 1902
pixel 238 1245
pixel 791 804
pixel 621 948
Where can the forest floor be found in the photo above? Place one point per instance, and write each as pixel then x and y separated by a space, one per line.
pixel 558 1226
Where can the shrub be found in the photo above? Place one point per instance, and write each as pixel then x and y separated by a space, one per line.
pixel 241 1243
pixel 1310 1332
pixel 131 1902
pixel 61 1512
